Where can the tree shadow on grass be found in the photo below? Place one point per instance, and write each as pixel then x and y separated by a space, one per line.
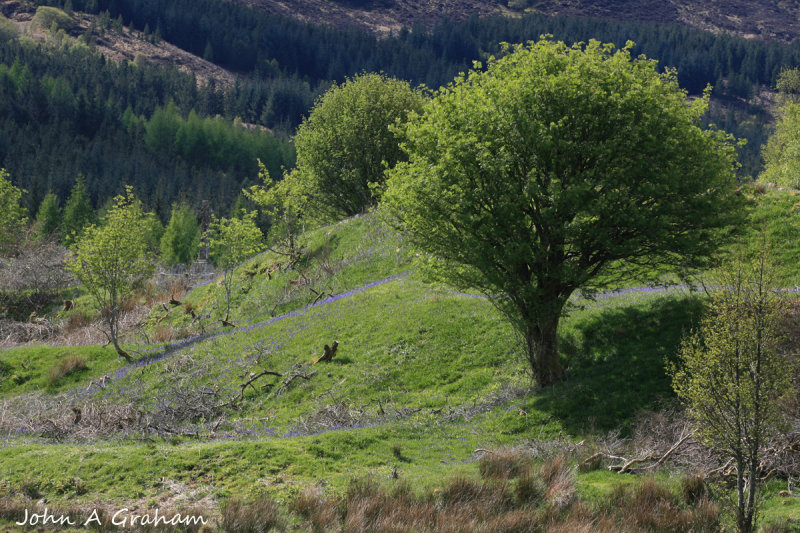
pixel 618 366
pixel 321 252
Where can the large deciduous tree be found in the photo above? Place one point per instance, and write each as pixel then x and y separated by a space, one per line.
pixel 346 143
pixel 112 261
pixel 557 167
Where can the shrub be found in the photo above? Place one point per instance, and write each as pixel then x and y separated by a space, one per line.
pixel 559 480
pixel 651 507
pixel 530 490
pixel 78 320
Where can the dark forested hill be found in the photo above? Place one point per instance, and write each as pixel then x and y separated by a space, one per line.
pixel 761 19
pixel 277 51
pixel 67 110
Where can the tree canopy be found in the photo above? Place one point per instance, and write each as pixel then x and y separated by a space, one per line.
pixel 561 168
pixel 48 217
pixel 284 202
pixel 78 212
pixel 346 144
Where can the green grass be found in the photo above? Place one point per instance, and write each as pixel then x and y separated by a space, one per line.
pixel 777 213
pixel 27 369
pixel 420 368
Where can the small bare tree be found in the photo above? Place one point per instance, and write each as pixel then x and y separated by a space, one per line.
pixel 732 372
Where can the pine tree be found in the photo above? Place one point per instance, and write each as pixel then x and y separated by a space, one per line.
pixel 181 239
pixel 78 213
pixel 48 218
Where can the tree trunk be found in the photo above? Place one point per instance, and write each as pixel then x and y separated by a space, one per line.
pixel 541 340
pixel 744 519
pixel 113 327
pixel 752 481
pixel 122 353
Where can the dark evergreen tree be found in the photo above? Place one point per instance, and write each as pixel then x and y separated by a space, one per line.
pixel 78 212
pixel 48 218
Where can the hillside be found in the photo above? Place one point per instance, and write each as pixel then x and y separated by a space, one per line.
pixel 762 19
pixel 121 44
pixel 424 378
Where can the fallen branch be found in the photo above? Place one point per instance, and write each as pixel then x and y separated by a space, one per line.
pixel 721 470
pixel 671 450
pixel 601 455
pixel 626 467
pixel 255 377
pixel 288 381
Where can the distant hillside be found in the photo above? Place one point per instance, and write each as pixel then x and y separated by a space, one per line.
pixel 122 45
pixel 760 19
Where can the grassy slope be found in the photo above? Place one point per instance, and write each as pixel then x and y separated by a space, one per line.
pixel 429 373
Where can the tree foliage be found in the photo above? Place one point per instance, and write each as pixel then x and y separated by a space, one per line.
pixel 78 212
pixel 732 373
pixel 286 204
pixel 112 261
pixel 181 239
pixel 12 214
pixel 231 241
pixel 788 84
pixel 347 143
pixel 50 17
pixel 554 166
pixel 48 218
pixel 781 153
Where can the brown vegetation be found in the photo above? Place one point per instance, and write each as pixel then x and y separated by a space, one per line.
pixel 69 365
pixel 256 516
pixel 513 496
